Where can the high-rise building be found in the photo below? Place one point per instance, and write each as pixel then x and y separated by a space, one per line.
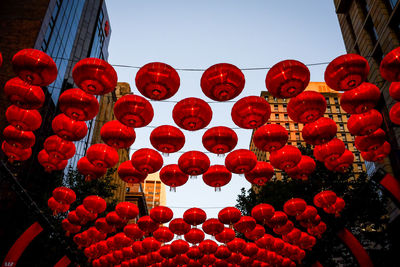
pixel 371 28
pixel 334 111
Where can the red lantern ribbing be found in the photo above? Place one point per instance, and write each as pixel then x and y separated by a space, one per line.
pixel 329 151
pixel 294 206
pixel 212 227
pixel 251 112
pixel 240 161
pixel 94 204
pixel 94 76
pixel 285 158
pixel 69 129
pixel 24 95
pixel 394 90
pixel 219 140
pixel 342 163
pixel 303 169
pixel 117 135
pixel 260 174
pixel 59 148
pixel 172 176
pixel 270 137
pixel 129 174
pixel 390 65
pixel 179 227
pixel 229 215
pixel 194 163
pixel 287 79
pixel 194 216
pixel 325 199
pixel 127 210
pixel 217 176
pixel 64 195
pixel 192 114
pixel 147 160
pixel 163 234
pixel 167 139
pixel 102 155
pixel 78 105
pixel 365 123
pixel 379 154
pixel 262 212
pixel 17 138
pixel 50 164
pixel 360 99
pixel 23 119
pixel 222 82
pixel 371 141
pixel 161 214
pixel 245 224
pixel 90 171
pixel 194 236
pixel 346 72
pixel 226 235
pixel 158 81
pixel 306 107
pixel 147 225
pixel 320 131
pixel 133 111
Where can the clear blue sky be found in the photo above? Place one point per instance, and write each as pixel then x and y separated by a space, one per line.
pixel 198 34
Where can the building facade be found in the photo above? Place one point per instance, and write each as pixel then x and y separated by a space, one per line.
pixel 371 28
pixel 334 111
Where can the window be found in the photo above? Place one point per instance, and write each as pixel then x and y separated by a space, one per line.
pixel 297 136
pixel 327 99
pixel 347 146
pixel 298 143
pixel 330 116
pixel 276 107
pixel 284 107
pixel 286 116
pixel 287 126
pixel 348 115
pixel 357 156
pixel 359 167
pixel 339 118
pixel 296 126
pixel 337 109
pixel 341 126
pixel 128 189
pixel 336 100
pixel 344 138
pixel 276 116
pixel 328 109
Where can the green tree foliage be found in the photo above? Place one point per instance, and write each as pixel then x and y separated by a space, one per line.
pixel 365 214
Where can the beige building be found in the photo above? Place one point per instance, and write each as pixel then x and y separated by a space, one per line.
pixel 334 111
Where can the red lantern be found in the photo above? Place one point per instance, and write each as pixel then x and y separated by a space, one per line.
pixel 94 204
pixel 250 250
pixel 95 76
pixel 394 90
pixel 219 140
pixel 317 230
pixel 167 139
pixel 78 105
pixel 117 135
pixel 147 225
pixel 24 95
pixel 150 244
pixel 325 199
pixel 379 154
pixel 287 79
pixel 172 176
pixel 294 206
pixel 217 176
pixel 389 67
pixel 237 245
pixel 179 246
pixel 50 164
pixel 133 111
pixel 17 138
pixel 360 99
pixel 23 119
pixel 194 163
pixel 260 174
pixel 166 252
pixel 127 210
pixel 307 107
pixel 226 235
pixel 163 234
pixel 229 215
pixel 194 216
pixel 346 72
pixel 194 252
pixel 147 160
pixel 342 163
pixel 194 236
pixel 270 137
pixel 245 224
pixel 75 219
pixel 34 67
pixel 365 123
pixel 394 113
pixel 161 214
pixel 64 195
pixel 90 171
pixel 70 228
pixel 329 151
pixel 59 148
pixel 262 212
pixel 235 258
pixel 212 227
pixel 240 161
pixel 133 231
pixel 69 129
pixel 179 226
pixel 85 215
pixel 208 246
pixel 102 155
pixel 278 219
pixel 251 112
pixel 309 213
pixel 285 158
pixel 320 131
pixel 57 207
pixel 303 169
pixel 370 142
pixel 129 174
pixel 222 82
pixel 256 233
pixel 14 153
pixel 192 114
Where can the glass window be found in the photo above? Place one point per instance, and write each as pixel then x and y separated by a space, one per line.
pixel 275 107
pixel 276 116
pixel 337 109
pixel 336 100
pixel 297 136
pixel 330 116
pixel 287 126
pixel 286 116
pixel 341 126
pixel 328 109
pixel 393 3
pixel 284 107
pixel 296 126
pixel 128 189
pixel 327 99
pixel 359 167
pixel 339 118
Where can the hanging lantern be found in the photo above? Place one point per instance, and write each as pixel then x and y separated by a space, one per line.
pixel 371 141
pixel 59 148
pixel 94 204
pixel 360 99
pixel 320 131
pixel 287 79
pixel 325 199
pixel 285 158
pixel 303 169
pixel 278 219
pixel 307 107
pixel 50 164
pixel 133 111
pixel 147 225
pixel 102 155
pixel 250 250
pixel 129 174
pixel 251 112
pixel 194 236
pixel 90 171
pixel 114 220
pixel 256 233
pixel 219 140
pixel 167 139
pixel 222 82
pixel 17 138
pixel 208 246
pixel 75 219
pixel 346 72
pixel 379 154
pixel 192 114
pixel 317 230
pixel 24 95
pixel 229 215
pixel 294 206
pixel 133 231
pixel 212 227
pixel 260 174
pixel 150 244
pixel 147 160
pixel 57 207
pixel 158 81
pixel 69 129
pixel 94 76
pixel 262 212
pixel 117 135
pixel 85 215
pixel 389 67
pixel 127 210
pixel 309 213
pixel 217 176
pixel 179 227
pixel 166 252
pixel 394 90
pixel 394 113
pixel 365 123
pixel 78 105
pixel 194 163
pixel 226 235
pixel 240 161
pixel 245 224
pixel 179 246
pixel 270 137
pixel 194 252
pixel 23 119
pixel 284 229
pixel 329 151
pixel 235 258
pixel 161 214
pixel 70 228
pixel 194 216
pixel 102 225
pixel 34 67
pixel 172 176
pixel 14 153
pixel 237 245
